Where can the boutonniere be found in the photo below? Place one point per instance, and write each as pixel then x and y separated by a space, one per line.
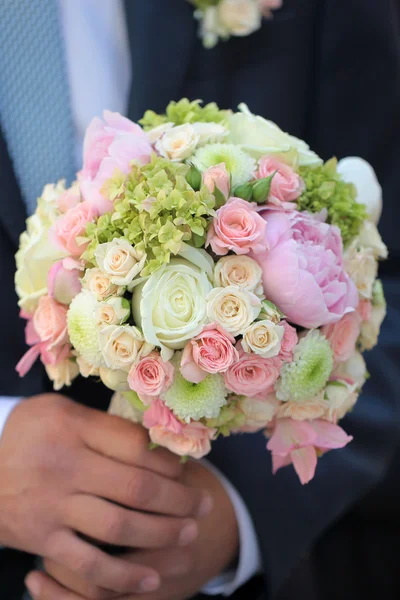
pixel 219 19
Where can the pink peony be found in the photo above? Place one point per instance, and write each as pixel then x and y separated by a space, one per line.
pixel 303 272
pixel 343 336
pixel 212 351
pixel 150 376
pixel 217 177
pixel 72 225
pixel 288 343
pixel 159 415
pixel 237 227
pixel 252 375
pixel 63 280
pixel 297 442
pixel 110 146
pixel 286 184
pixel 194 441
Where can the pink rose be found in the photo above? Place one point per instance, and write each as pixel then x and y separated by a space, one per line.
pixel 343 336
pixel 217 177
pixel 303 272
pixel 72 225
pixel 63 280
pixel 297 442
pixel 159 415
pixel 288 343
pixel 110 146
pixel 286 184
pixel 237 227
pixel 252 375
pixel 150 377
pixel 364 309
pixel 194 441
pixel 212 351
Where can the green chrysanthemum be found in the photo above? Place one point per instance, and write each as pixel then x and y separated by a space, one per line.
pixel 82 328
pixel 310 370
pixel 185 111
pixel 195 400
pixel 324 188
pixel 239 164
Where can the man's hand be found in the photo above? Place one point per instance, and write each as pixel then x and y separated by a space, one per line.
pixel 184 571
pixel 70 474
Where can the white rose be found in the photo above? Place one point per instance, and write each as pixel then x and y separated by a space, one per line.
pixel 63 373
pixel 178 143
pixel 85 368
pixel 239 17
pixel 171 305
pixel 258 412
pixel 359 172
pixel 234 308
pixel 210 133
pixel 370 330
pixel 241 271
pixel 341 398
pixel 314 408
pixel 263 338
pixel 157 132
pixel 100 284
pixel 362 266
pixel 353 370
pixel 122 345
pixel 113 311
pixel 369 237
pixel 35 257
pixel 121 261
pixel 258 136
pixel 116 380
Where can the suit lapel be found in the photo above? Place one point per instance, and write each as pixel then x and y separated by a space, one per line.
pixel 12 208
pixel 161 36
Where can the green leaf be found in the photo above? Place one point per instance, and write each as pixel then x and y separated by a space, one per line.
pixel 220 199
pixel 244 191
pixel 261 189
pixel 193 178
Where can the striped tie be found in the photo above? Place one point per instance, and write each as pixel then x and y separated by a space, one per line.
pixel 35 108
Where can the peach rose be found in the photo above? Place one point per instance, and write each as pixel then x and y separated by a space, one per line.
pixel 63 373
pixel 237 227
pixel 286 184
pixel 194 441
pixel 258 412
pixel 150 377
pixel 289 341
pixel 50 322
pixel 311 409
pixel 252 375
pixel 71 226
pixel 212 351
pixel 217 177
pixel 241 271
pixel 100 284
pixel 343 336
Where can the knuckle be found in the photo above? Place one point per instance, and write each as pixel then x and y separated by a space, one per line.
pixel 84 564
pixel 140 489
pixel 114 527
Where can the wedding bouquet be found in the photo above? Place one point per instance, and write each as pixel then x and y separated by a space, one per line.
pixel 215 273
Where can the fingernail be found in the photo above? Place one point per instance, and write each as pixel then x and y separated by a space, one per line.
pixel 188 534
pixel 206 506
pixel 150 584
pixel 33 585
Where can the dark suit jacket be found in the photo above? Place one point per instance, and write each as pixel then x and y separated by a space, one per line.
pixel 327 71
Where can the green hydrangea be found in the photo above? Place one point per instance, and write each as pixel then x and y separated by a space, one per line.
pixel 185 111
pixel 204 4
pixel 230 418
pixel 156 210
pixel 307 375
pixel 195 401
pixel 326 189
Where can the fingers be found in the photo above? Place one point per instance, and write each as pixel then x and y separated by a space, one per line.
pixel 99 569
pixel 42 587
pixel 119 526
pixel 139 488
pixel 128 443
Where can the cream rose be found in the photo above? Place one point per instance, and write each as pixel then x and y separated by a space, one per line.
pixel 258 412
pixel 157 132
pixel 362 266
pixel 314 408
pixel 210 133
pixel 122 346
pixel 241 271
pixel 100 284
pixel 370 329
pixel 171 305
pixel 239 17
pixel 354 370
pixel 369 237
pixel 178 143
pixel 341 397
pixel 263 338
pixel 116 380
pixel 63 373
pixel 121 261
pixel 85 368
pixel 120 406
pixel 113 311
pixel 233 308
